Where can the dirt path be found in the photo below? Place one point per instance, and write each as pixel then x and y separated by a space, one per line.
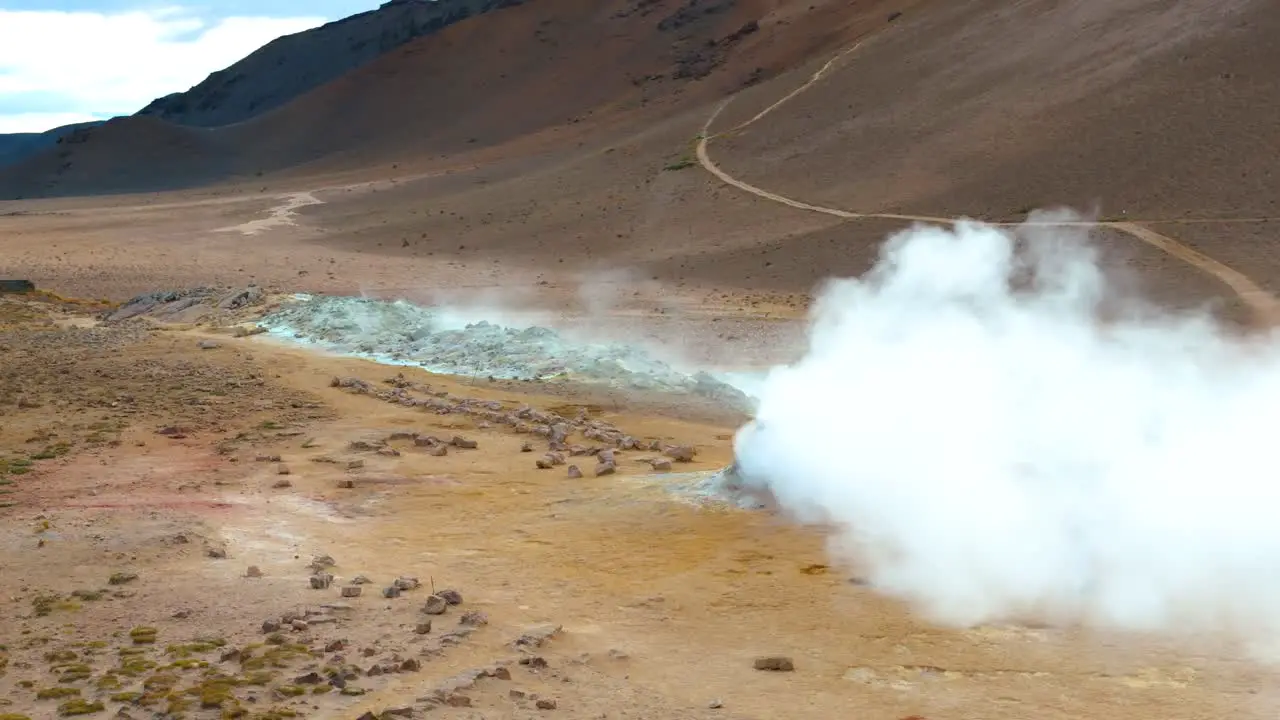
pixel 1264 305
pixel 283 214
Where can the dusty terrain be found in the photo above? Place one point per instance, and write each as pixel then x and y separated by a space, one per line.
pixel 184 481
pixel 131 449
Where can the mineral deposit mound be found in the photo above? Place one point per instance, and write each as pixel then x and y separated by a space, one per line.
pixel 404 333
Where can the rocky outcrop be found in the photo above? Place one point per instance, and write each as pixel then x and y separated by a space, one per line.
pixel 294 64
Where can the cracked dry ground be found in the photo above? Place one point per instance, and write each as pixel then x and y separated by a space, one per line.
pixel 199 526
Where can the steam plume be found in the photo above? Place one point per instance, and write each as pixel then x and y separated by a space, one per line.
pixel 987 449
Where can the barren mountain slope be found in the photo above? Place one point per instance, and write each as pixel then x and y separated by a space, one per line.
pixel 291 65
pixel 895 124
pixel 1146 108
pixel 909 120
pixel 483 81
pixel 16 146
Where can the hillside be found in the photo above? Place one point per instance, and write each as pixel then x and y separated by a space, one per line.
pixel 504 76
pixel 1143 109
pixel 18 146
pixel 292 65
pixel 1140 109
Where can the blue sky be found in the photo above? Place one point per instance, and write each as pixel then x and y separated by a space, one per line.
pixel 66 61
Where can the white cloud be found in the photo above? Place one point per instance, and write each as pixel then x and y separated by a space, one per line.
pixel 82 65
pixel 22 122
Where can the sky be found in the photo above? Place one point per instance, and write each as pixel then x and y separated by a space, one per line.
pixel 69 61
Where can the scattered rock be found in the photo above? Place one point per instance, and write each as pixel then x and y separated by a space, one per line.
pixel 282 484
pixel 283 470
pixel 361 580
pixel 217 552
pixel 660 464
pixel 410 665
pixel 364 446
pixel 776 663
pixel 311 678
pixel 574 473
pixel 543 464
pixel 715 704
pixel 407 583
pixel 267 458
pixel 270 626
pixel 351 591
pixel 474 618
pixel 355 464
pixel 241 298
pixel 536 662
pixel 122 578
pixel 517 694
pixel 423 628
pixel 321 562
pixel 606 469
pixel 536 636
pixel 346 484
pixel 456 700
pixel 232 655
pixel 453 597
pixel 456 635
pixel 527 447
pixel 321 581
pixel 435 605
pixel 391 592
pixel 209 345
pixel 680 453
pixel 389 452
pixel 460 442
pixel 335 646
pixel 254 572
pixel 545 704
pixel 438 450
pixel 299 625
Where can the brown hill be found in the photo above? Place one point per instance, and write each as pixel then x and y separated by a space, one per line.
pixel 502 76
pixel 133 154
pixel 291 65
pixel 1142 109
pixel 1148 109
pixel 16 146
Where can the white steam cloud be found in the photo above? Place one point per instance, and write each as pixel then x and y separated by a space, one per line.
pixel 987 449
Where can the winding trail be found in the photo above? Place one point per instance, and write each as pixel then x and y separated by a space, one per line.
pixel 281 215
pixel 1263 304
